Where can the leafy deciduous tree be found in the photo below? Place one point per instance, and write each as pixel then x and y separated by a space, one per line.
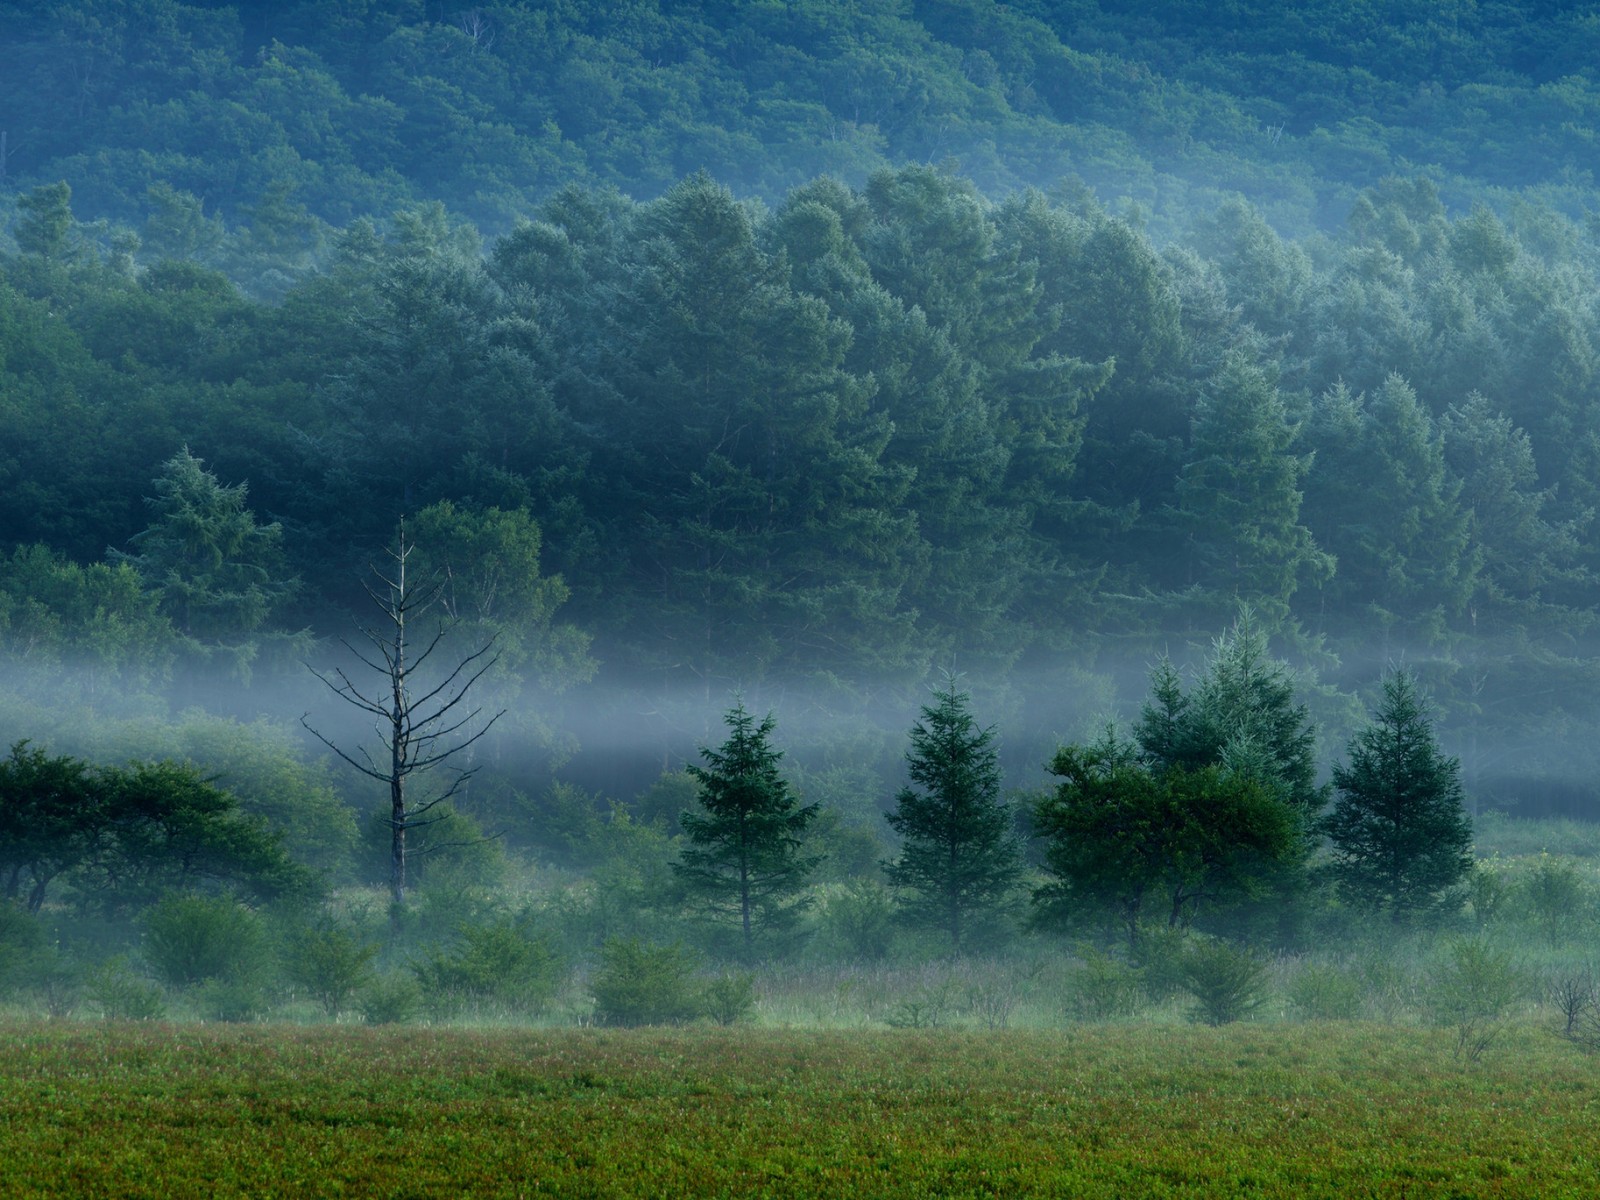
pixel 1137 840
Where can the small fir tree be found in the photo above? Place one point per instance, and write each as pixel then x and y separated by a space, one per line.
pixel 745 853
pixel 1400 835
pixel 960 857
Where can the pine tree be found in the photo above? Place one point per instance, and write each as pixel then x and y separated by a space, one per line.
pixel 1400 836
pixel 1239 495
pixel 1242 709
pixel 219 574
pixel 960 857
pixel 745 853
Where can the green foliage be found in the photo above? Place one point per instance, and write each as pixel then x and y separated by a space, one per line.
pixel 730 999
pixel 1556 897
pixel 977 1103
pixel 501 963
pixel 191 939
pixel 1136 844
pixel 1400 838
pixel 122 994
pixel 1471 992
pixel 51 816
pixel 233 1000
pixel 1242 713
pixel 858 920
pixel 744 856
pixel 1228 983
pixel 330 962
pixel 95 619
pixel 45 221
pixel 1325 992
pixel 959 858
pixel 1104 988
pixel 218 574
pixel 168 826
pixel 392 998
pixel 1239 496
pixel 22 938
pixel 637 983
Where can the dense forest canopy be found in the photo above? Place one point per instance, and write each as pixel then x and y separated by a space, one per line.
pixel 288 117
pixel 807 350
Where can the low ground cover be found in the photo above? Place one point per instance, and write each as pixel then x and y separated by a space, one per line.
pixel 148 1109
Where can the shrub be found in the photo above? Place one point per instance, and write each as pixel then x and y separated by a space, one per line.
pixel 1571 991
pixel 391 999
pixel 238 999
pixel 1227 982
pixel 1323 992
pixel 1486 892
pixel 859 920
pixel 1103 988
pixel 1472 991
pixel 1158 952
pixel 640 984
pixel 58 980
pixel 124 995
pixel 331 963
pixel 499 963
pixel 189 939
pixel 21 941
pixel 932 1005
pixel 729 999
pixel 1555 896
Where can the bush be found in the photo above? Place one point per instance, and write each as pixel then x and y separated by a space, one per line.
pixel 1323 992
pixel 1555 896
pixel 236 1000
pixel 22 939
pixel 124 995
pixel 639 984
pixel 1571 991
pixel 391 999
pixel 932 1005
pixel 1473 990
pixel 189 939
pixel 1103 988
pixel 57 978
pixel 1158 952
pixel 1486 892
pixel 859 921
pixel 497 963
pixel 730 999
pixel 1227 982
pixel 331 963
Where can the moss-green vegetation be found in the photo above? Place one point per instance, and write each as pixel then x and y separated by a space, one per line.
pixel 1322 1109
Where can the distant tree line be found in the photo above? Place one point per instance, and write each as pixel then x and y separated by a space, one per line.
pixel 710 446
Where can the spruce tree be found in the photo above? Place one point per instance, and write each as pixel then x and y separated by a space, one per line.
pixel 744 855
pixel 960 857
pixel 1400 836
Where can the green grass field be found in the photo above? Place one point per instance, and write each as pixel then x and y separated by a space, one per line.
pixel 105 1109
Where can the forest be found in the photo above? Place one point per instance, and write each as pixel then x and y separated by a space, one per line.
pixel 643 514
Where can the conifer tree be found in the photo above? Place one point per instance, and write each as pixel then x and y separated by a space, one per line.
pixel 745 853
pixel 960 857
pixel 219 574
pixel 1400 836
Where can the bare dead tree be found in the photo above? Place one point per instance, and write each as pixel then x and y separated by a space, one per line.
pixel 418 732
pixel 476 25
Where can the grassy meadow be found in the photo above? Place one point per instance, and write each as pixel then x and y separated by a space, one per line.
pixel 1119 1109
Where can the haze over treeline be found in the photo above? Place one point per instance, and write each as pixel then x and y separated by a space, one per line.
pixel 805 354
